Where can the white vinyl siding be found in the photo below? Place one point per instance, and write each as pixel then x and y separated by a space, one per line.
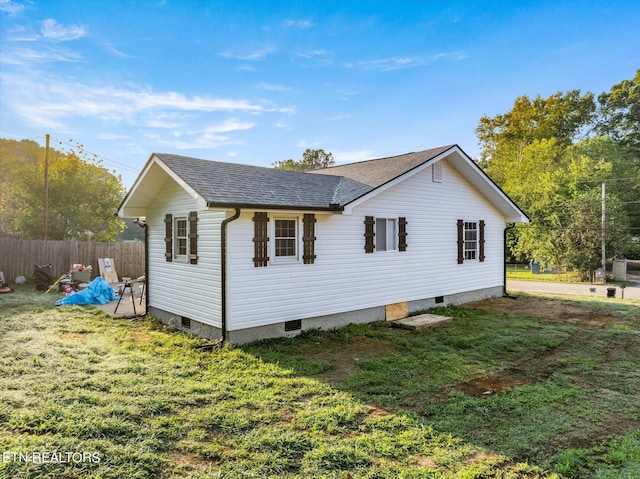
pixel 345 278
pixel 178 287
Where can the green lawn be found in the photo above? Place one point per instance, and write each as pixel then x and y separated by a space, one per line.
pixel 488 395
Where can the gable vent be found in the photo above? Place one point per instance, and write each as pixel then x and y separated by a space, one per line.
pixel 436 172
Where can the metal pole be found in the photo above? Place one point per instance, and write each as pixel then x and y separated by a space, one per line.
pixel 604 228
pixel 45 220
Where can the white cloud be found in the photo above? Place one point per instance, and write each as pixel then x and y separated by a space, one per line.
pixel 28 56
pixel 344 116
pixel 12 8
pixel 401 63
pixel 343 157
pixel 232 124
pixel 303 24
pixel 312 53
pixel 259 54
pixel 49 104
pixel 305 144
pixel 53 31
pixel 113 50
pixel 113 136
pixel 272 87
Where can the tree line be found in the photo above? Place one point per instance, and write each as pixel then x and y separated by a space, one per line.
pixel 83 195
pixel 552 155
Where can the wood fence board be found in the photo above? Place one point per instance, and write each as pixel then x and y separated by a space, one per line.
pixel 17 257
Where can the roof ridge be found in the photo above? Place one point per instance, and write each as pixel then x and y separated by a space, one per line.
pixel 443 148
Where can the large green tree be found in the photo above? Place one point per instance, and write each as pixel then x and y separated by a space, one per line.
pixel 83 194
pixel 311 160
pixel 546 155
pixel 619 113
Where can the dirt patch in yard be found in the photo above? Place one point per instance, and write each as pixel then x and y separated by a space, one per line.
pixel 344 357
pixel 75 336
pixel 493 384
pixel 550 309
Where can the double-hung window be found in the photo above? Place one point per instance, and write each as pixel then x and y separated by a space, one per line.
pixel 386 234
pixel 470 240
pixel 286 239
pixel 181 243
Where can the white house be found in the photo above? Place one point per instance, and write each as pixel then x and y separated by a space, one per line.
pixel 243 252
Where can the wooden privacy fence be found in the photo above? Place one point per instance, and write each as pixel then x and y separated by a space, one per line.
pixel 17 257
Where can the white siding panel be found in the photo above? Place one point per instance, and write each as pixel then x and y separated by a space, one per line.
pixel 345 278
pixel 190 290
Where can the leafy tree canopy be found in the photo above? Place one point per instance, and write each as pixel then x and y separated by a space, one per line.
pixel 619 113
pixel 552 155
pixel 83 194
pixel 311 160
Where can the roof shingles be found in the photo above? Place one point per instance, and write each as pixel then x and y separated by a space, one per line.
pixel 232 184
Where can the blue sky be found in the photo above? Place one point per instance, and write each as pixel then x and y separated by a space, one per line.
pixel 260 81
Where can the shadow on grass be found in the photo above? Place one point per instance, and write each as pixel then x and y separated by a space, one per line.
pixel 557 376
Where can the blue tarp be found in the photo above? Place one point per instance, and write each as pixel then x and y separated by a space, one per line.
pixel 98 292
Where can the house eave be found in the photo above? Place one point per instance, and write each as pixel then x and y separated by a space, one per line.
pixel 334 208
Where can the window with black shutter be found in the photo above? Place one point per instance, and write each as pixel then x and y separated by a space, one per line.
pixel 481 241
pixel 168 237
pixel 308 238
pixel 260 239
pixel 369 234
pixel 470 241
pixel 460 241
pixel 402 234
pixel 193 237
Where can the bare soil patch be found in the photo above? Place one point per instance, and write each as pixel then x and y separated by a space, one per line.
pixel 550 309
pixel 75 336
pixel 345 356
pixel 494 384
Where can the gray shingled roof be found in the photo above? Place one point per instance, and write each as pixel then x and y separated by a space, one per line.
pixel 376 173
pixel 235 184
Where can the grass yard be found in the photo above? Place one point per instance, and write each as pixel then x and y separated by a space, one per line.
pixel 509 389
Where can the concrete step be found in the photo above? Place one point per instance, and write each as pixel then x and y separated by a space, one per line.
pixel 422 321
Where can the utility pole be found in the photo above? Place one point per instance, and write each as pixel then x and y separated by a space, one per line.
pixel 604 228
pixel 46 189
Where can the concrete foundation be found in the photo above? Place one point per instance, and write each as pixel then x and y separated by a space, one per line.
pixel 331 321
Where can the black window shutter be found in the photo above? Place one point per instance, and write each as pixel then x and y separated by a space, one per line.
pixel 369 233
pixel 460 241
pixel 481 241
pixel 260 239
pixel 402 234
pixel 193 237
pixel 168 237
pixel 308 238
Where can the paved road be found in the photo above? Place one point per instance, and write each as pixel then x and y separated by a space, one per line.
pixel 630 292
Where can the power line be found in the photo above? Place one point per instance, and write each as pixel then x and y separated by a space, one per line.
pixel 95 155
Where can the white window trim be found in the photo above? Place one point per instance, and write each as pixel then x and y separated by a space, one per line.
pixel 476 248
pixel 298 241
pixel 176 246
pixel 393 236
